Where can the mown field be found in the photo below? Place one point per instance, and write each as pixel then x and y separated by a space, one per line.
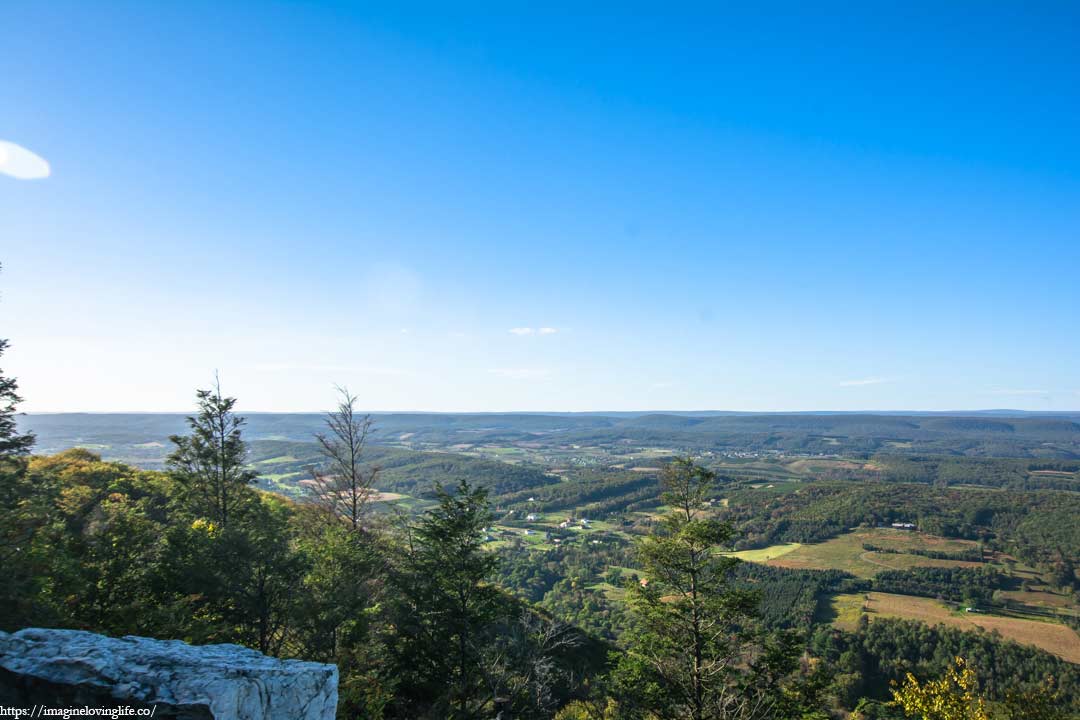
pixel 846 552
pixel 1053 637
pixel 763 555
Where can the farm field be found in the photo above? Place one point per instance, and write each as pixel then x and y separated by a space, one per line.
pixel 1055 638
pixel 846 552
pixel 1042 599
pixel 762 555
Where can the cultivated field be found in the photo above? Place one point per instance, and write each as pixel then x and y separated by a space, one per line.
pixel 765 554
pixel 846 552
pixel 1052 637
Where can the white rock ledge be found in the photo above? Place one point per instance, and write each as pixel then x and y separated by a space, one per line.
pixel 225 682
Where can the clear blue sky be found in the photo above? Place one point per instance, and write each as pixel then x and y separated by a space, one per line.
pixel 849 206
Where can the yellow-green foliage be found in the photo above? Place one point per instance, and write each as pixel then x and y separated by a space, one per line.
pixel 955 696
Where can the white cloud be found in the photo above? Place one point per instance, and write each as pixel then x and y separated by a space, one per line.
pixel 863 381
pixel 521 331
pixel 18 162
pixel 320 368
pixel 521 373
pixel 547 331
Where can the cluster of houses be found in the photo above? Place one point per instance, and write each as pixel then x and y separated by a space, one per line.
pixel 489 534
pixel 565 524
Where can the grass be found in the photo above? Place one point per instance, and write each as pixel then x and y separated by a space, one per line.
pixel 846 552
pixel 1052 637
pixel 1038 598
pixel 626 571
pixel 843 611
pixel 765 554
pixel 276 460
pixel 610 591
pixel 896 561
pixel 816 466
pixel 503 450
pixel 278 477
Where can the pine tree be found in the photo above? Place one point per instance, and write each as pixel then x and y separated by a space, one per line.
pixel 449 604
pixel 210 462
pixel 691 624
pixel 12 442
pixel 21 513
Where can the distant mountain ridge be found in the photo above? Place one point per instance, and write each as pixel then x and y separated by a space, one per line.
pixel 988 433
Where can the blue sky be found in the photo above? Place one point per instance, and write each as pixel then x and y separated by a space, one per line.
pixel 850 206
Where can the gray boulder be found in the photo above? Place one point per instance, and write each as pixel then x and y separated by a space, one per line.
pixel 71 668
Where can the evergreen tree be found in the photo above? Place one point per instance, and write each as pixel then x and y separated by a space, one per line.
pixel 21 502
pixel 339 610
pixel 448 607
pixel 210 462
pixel 12 442
pixel 691 625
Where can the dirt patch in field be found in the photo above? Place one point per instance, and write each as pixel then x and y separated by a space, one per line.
pixel 897 561
pixel 818 465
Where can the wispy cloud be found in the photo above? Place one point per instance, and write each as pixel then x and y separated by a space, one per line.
pixel 18 162
pixel 863 381
pixel 521 373
pixel 316 367
pixel 520 331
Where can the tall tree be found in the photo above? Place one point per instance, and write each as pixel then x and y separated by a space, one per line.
pixel 210 462
pixel 340 608
pixel 21 509
pixel 343 484
pixel 12 442
pixel 448 606
pixel 692 625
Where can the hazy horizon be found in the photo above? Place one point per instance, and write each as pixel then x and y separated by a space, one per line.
pixel 660 411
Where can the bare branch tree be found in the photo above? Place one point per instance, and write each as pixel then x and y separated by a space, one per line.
pixel 523 667
pixel 343 484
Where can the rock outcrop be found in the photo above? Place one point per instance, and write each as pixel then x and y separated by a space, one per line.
pixel 71 668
